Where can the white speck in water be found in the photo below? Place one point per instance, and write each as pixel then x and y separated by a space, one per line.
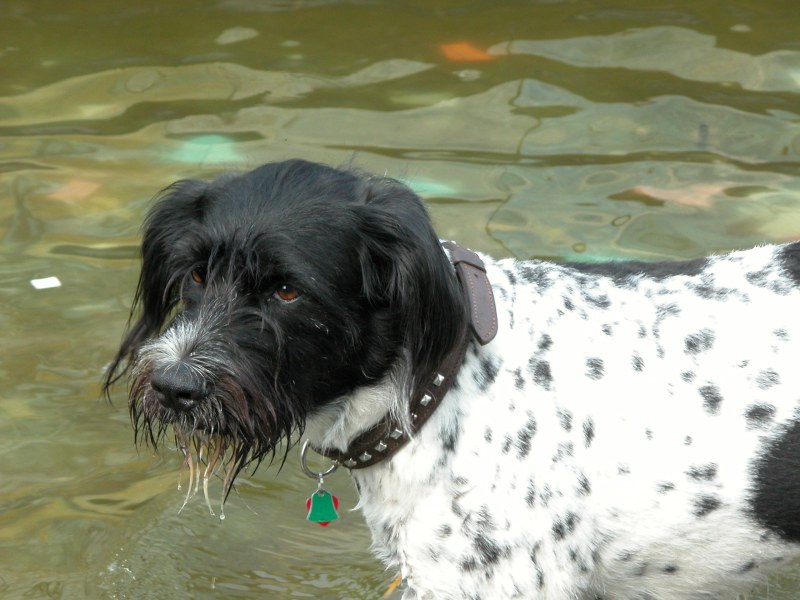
pixel 46 282
pixel 235 34
pixel 468 74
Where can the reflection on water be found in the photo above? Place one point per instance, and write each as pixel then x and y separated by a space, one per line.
pixel 563 129
pixel 672 50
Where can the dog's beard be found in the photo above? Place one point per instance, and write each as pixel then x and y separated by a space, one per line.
pixel 237 423
pixel 203 436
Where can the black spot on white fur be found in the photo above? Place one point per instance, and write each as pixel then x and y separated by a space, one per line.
pixel 487 374
pixel 536 275
pixel 584 485
pixel 588 432
pixel 565 418
pixel 545 343
pixel 706 288
pixel 540 370
pixel 524 436
pixel 595 368
pixel 704 504
pixel 767 379
pixel 790 261
pixel 703 472
pixel 449 438
pixel 781 334
pixel 712 398
pixel 759 415
pixel 699 342
pixel 600 301
pixel 530 495
pixel 776 488
pixel 562 527
pixel 519 380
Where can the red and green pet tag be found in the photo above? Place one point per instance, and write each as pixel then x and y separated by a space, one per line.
pixel 322 506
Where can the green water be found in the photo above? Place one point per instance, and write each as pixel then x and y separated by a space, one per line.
pixel 592 129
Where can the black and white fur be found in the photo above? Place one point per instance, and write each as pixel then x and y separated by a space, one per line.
pixel 633 431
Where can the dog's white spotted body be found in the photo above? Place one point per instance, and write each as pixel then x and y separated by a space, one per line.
pixel 605 444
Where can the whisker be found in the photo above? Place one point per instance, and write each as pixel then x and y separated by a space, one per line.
pixel 200 449
pixel 212 462
pixel 189 493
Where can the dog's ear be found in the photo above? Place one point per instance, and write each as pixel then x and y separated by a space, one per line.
pixel 405 270
pixel 158 289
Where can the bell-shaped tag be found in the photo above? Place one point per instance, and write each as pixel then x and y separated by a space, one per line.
pixel 322 507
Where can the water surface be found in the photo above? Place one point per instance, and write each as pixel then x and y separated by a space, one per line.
pixel 567 129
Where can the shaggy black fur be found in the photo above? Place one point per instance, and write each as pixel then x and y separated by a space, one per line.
pixel 266 295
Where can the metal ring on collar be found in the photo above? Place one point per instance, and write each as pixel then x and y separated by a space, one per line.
pixel 318 476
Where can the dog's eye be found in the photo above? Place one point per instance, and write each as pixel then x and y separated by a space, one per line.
pixel 198 276
pixel 286 293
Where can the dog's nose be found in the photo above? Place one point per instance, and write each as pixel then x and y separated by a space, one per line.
pixel 178 387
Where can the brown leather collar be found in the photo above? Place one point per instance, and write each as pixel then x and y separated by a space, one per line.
pixel 387 436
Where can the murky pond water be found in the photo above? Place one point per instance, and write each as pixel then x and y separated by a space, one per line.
pixel 586 129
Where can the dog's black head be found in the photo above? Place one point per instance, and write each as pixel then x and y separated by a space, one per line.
pixel 268 295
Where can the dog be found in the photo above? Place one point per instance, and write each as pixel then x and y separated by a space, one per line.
pixel 632 430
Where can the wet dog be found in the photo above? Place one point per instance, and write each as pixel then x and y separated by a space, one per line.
pixel 632 431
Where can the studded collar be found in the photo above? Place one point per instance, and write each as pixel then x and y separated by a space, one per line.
pixel 387 436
